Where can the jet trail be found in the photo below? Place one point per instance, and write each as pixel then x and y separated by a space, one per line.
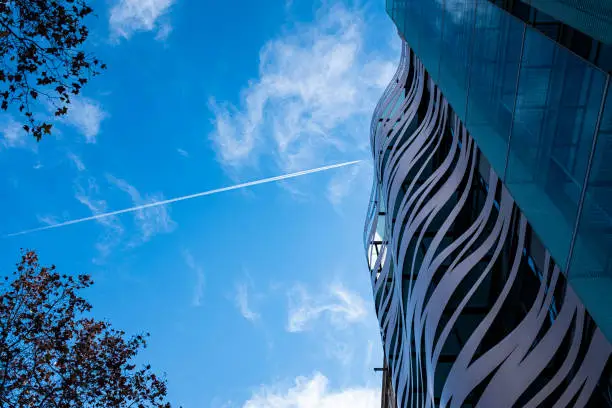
pixel 187 197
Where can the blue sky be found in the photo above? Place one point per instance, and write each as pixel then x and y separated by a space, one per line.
pixel 258 297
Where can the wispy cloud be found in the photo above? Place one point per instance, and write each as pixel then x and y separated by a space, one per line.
pixel 343 183
pixel 313 98
pixel 47 219
pixel 12 131
pixel 198 291
pixel 338 321
pixel 242 302
pixel 182 152
pixel 150 221
pixel 86 196
pixel 339 305
pixel 130 16
pixel 113 230
pixel 86 115
pixel 76 160
pixel 313 392
pixel 164 32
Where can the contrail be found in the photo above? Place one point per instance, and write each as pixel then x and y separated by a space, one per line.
pixel 187 197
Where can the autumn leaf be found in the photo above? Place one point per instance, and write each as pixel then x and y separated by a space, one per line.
pixel 42 43
pixel 54 354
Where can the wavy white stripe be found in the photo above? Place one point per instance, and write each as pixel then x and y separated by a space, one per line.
pixel 424 179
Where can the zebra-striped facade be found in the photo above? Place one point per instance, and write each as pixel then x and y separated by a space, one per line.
pixel 473 310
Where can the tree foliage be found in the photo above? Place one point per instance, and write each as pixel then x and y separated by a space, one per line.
pixel 42 57
pixel 53 355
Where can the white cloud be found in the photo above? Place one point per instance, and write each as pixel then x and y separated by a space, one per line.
pixel 313 98
pixel 339 305
pixel 292 188
pixel 97 206
pixel 164 32
pixel 182 152
pixel 343 182
pixel 199 287
pixel 341 324
pixel 113 229
pixel 242 302
pixel 313 392
pixel 47 219
pixel 149 221
pixel 86 115
pixel 12 131
pixel 130 16
pixel 76 160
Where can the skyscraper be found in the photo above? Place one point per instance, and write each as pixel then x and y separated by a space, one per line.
pixel 489 230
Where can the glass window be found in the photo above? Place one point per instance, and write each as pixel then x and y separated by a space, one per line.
pixel 410 26
pixel 496 52
pixel 458 27
pixel 399 15
pixel 431 33
pixel 592 257
pixel 557 104
pixel 590 272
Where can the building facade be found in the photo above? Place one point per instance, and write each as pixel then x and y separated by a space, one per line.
pixel 489 230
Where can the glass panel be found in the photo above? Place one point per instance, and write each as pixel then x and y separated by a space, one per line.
pixel 494 67
pixel 411 12
pixel 399 16
pixel 380 227
pixel 592 257
pixel 591 17
pixel 458 23
pixel 590 272
pixel 557 105
pixel 431 33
